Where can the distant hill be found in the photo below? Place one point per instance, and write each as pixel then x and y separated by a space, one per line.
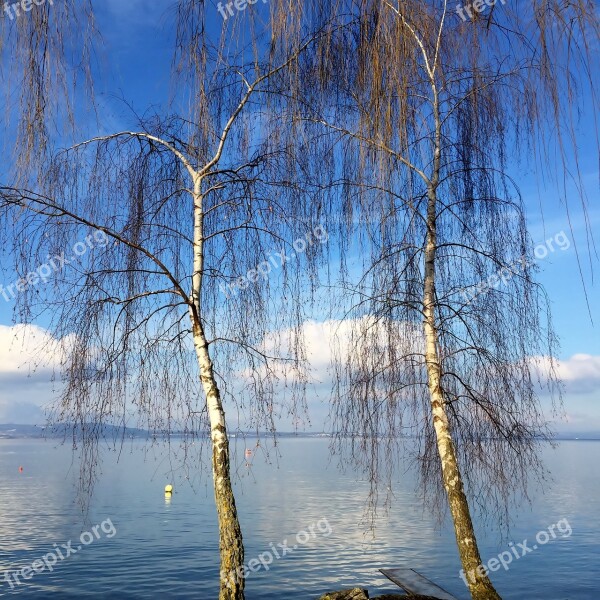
pixel 11 431
pixel 15 431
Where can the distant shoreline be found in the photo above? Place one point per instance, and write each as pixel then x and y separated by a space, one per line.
pixel 13 431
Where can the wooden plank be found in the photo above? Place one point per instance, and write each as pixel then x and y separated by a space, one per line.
pixel 414 583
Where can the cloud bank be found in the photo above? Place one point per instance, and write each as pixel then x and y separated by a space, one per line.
pixel 30 357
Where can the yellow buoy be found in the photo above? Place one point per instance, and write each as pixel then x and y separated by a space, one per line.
pixel 168 489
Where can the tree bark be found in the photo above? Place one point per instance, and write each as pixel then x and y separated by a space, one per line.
pixel 230 534
pixel 479 584
pixel 231 546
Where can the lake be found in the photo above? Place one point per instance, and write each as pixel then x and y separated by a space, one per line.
pixel 133 542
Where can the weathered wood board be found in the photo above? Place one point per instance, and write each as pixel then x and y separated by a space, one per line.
pixel 414 583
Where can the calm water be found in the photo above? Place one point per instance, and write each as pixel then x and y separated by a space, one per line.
pixel 148 547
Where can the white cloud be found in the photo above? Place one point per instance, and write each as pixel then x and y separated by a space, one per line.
pixel 26 349
pixel 581 373
pixel 29 356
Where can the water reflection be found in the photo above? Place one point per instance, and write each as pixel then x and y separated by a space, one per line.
pixel 167 547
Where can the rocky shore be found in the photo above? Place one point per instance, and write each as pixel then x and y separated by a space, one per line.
pixel 363 594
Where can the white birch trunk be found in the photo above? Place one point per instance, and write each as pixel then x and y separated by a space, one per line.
pixel 479 584
pixel 230 534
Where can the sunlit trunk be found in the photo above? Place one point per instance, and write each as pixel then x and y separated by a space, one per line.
pixel 230 534
pixel 479 584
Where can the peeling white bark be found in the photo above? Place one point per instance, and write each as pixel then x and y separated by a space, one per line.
pixel 230 535
pixel 481 587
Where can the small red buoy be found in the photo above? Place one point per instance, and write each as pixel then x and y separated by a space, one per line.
pixel 20 469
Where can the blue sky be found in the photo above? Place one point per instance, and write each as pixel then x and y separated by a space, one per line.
pixel 137 53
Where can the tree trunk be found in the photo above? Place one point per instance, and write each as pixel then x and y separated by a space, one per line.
pixel 230 533
pixel 479 584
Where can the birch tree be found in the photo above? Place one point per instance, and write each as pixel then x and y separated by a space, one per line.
pixel 135 243
pixel 448 320
pixel 196 215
